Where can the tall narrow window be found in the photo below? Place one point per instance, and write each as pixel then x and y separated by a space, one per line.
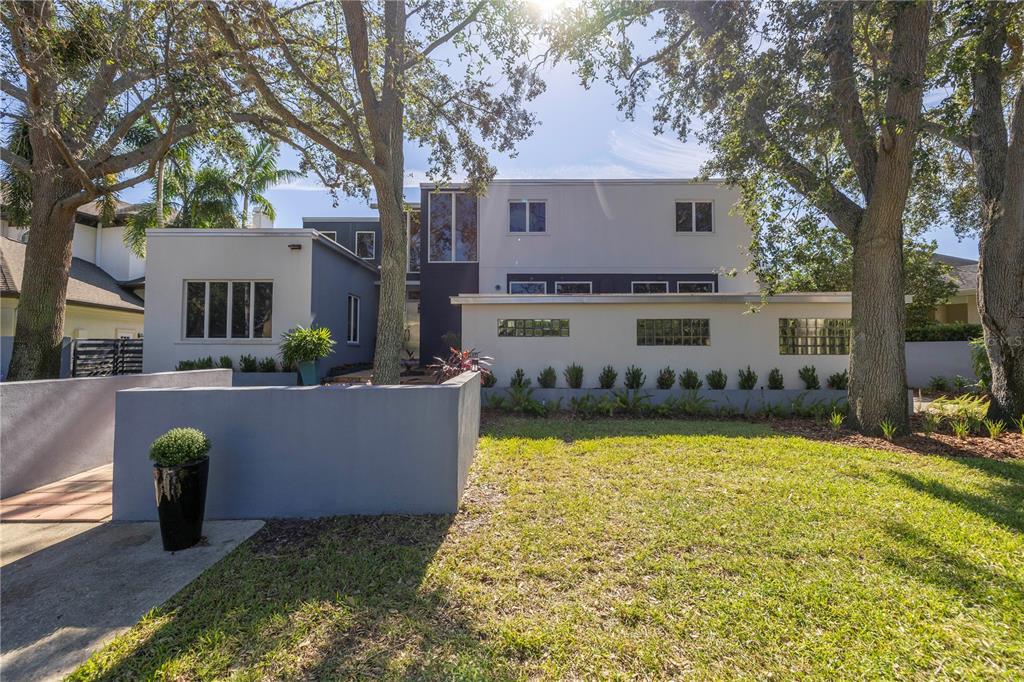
pixel 366 244
pixel 702 216
pixel 353 319
pixel 414 241
pixel 195 310
pixel 218 311
pixel 452 232
pixel 240 311
pixel 527 216
pixel 263 310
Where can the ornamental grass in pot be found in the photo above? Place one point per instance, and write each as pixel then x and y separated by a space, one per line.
pixel 181 468
pixel 302 347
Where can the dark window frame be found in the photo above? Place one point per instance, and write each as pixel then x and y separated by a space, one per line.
pixel 689 331
pixel 352 320
pixel 692 228
pixel 229 303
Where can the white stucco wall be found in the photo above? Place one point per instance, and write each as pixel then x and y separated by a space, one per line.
pixel 116 258
pixel 604 333
pixel 612 226
pixel 175 256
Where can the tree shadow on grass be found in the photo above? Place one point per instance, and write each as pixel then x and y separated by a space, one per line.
pixel 318 599
pixel 926 561
pixel 1004 503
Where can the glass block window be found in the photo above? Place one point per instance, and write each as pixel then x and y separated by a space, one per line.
pixel 669 332
pixel 533 328
pixel 814 336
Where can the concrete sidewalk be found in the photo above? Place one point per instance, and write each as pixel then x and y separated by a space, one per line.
pixel 70 588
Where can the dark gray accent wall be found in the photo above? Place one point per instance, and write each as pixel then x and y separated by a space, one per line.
pixel 346 230
pixel 438 283
pixel 335 276
pixel 608 283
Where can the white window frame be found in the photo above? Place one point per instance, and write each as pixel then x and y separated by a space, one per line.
pixel 523 281
pixel 408 241
pixel 695 281
pixel 590 287
pixel 205 338
pixel 527 202
pixel 373 244
pixel 352 313
pixel 430 199
pixel 330 234
pixel 693 215
pixel 632 285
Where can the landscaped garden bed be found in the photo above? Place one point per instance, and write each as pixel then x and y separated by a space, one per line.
pixel 629 548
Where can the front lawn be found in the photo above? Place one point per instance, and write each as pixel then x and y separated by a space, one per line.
pixel 639 549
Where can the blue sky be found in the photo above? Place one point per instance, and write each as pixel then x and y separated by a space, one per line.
pixel 581 135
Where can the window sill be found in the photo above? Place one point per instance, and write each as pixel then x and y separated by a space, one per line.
pixel 353 344
pixel 221 342
pixel 524 234
pixel 692 233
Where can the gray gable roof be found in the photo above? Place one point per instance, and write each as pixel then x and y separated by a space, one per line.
pixel 964 269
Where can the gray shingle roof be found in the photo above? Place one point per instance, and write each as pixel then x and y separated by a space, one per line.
pixel 964 269
pixel 88 284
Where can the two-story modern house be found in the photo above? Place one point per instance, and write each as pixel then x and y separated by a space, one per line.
pixel 545 272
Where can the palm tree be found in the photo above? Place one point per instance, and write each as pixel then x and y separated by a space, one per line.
pixel 256 171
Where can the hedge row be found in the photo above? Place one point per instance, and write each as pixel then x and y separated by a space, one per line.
pixel 947 331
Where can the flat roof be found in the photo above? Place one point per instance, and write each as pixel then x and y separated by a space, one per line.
pixel 584 181
pixel 749 297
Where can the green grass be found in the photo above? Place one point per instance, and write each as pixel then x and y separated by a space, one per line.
pixel 627 549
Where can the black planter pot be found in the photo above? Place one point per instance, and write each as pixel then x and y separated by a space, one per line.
pixel 181 502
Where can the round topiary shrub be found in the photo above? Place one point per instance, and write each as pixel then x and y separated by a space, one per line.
pixel 179 446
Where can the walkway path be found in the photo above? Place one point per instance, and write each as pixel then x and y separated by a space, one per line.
pixel 84 497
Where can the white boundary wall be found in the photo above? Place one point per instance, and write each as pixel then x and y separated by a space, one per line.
pixel 56 428
pixel 602 331
pixel 307 451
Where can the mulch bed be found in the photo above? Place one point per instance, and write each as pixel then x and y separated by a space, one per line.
pixel 1010 445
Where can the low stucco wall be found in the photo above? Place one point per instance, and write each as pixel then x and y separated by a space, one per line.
pixel 734 398
pixel 308 451
pixel 947 359
pixel 52 429
pixel 265 379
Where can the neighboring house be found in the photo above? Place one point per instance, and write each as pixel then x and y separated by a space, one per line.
pixel 98 307
pixel 235 292
pixel 963 307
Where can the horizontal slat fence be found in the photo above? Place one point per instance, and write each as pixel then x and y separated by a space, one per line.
pixel 106 357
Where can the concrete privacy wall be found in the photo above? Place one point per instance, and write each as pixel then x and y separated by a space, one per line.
pixel 927 359
pixel 308 451
pixel 55 428
pixel 265 379
pixel 736 399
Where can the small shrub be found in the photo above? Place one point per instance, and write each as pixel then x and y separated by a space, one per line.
pixel 839 381
pixel 520 399
pixel 459 361
pixel 809 375
pixel 995 428
pixel 179 446
pixel 747 378
pixel 573 376
pixel 717 379
pixel 488 380
pixel 931 422
pixel 979 362
pixel 226 362
pixel 961 427
pixel 248 363
pixel 888 429
pixel 971 408
pixel 495 401
pixel 519 379
pixel 835 420
pixel 185 365
pixel 690 380
pixel 692 404
pixel 589 406
pixel 666 378
pixel 775 382
pixel 306 344
pixel 547 378
pixel 1019 421
pixel 634 378
pixel 268 365
pixel 607 377
pixel 960 383
pixel 632 402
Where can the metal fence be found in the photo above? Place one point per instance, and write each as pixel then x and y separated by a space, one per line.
pixel 106 357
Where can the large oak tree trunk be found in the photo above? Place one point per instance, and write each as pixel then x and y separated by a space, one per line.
pixel 41 305
pixel 391 309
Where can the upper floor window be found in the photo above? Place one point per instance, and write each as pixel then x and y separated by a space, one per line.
pixel 695 287
pixel 533 328
pixel 693 216
pixel 527 287
pixel 527 216
pixel 353 320
pixel 649 287
pixel 236 310
pixel 452 231
pixel 574 287
pixel 366 244
pixel 333 236
pixel 413 232
pixel 679 332
pixel 814 336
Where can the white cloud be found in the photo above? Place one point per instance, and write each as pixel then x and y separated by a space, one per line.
pixel 650 155
pixel 300 185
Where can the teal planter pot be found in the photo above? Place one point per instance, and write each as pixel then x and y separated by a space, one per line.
pixel 307 370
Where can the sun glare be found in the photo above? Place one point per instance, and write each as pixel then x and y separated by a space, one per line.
pixel 546 9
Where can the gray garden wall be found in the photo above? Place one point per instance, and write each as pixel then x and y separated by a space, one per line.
pixel 265 379
pixel 52 429
pixel 739 400
pixel 927 359
pixel 308 451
